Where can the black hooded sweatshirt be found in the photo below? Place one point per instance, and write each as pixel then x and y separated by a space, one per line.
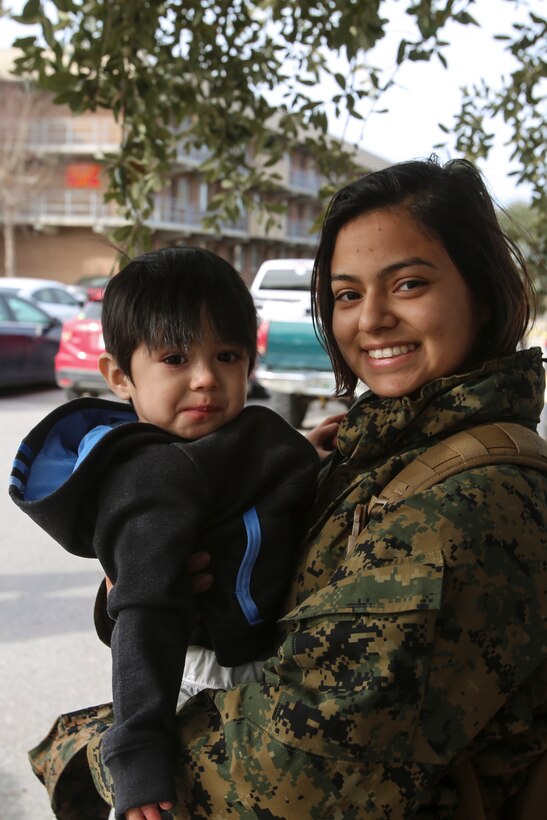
pixel 141 500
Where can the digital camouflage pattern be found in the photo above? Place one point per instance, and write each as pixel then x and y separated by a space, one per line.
pixel 63 753
pixel 415 658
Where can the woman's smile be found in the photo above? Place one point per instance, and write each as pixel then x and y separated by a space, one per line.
pixel 391 352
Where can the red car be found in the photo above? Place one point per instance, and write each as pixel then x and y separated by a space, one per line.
pixel 76 363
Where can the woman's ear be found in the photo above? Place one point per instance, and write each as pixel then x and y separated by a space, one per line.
pixel 114 376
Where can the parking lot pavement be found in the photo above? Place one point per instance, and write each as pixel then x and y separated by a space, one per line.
pixel 50 659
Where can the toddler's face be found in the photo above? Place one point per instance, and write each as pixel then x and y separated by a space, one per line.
pixel 189 393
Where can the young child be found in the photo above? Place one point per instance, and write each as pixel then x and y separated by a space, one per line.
pixel 140 486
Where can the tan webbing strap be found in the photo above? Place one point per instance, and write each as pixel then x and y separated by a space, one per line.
pixel 502 443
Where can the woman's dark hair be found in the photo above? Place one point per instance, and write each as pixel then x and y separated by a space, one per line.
pixel 451 203
pixel 159 297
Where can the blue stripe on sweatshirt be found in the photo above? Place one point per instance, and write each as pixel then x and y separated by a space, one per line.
pixel 243 581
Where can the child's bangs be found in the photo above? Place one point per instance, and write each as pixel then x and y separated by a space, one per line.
pixel 178 323
pixel 175 324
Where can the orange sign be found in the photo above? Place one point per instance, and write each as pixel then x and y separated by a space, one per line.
pixel 83 175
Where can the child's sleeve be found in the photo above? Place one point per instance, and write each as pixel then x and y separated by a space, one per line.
pixel 147 519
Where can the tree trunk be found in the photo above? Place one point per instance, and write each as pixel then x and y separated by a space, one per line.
pixel 9 245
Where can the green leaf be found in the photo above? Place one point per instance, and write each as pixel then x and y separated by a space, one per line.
pixel 401 51
pixel 31 11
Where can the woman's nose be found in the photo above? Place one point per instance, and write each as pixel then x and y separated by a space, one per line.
pixel 376 313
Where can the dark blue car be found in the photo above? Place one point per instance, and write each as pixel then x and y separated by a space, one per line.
pixel 29 340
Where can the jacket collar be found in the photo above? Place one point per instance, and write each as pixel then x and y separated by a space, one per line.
pixel 509 388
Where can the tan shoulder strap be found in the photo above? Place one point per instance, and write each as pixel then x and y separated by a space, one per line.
pixel 502 443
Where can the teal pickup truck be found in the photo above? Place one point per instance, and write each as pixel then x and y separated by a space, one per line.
pixel 292 364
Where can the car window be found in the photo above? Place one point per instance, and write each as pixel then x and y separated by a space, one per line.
pixel 4 314
pixel 25 312
pixel 55 296
pixel 92 310
pixel 286 279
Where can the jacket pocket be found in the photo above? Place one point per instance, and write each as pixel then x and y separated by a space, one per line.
pixel 354 669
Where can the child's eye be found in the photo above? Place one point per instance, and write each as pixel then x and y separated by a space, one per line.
pixel 229 356
pixel 174 359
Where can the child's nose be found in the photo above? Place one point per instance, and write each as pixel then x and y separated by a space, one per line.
pixel 203 377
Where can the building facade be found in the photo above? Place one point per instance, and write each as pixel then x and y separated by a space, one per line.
pixel 54 219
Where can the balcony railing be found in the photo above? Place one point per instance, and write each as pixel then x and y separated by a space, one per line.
pixel 74 134
pixel 190 155
pixel 302 229
pixel 83 134
pixel 84 208
pixel 307 180
pixel 172 213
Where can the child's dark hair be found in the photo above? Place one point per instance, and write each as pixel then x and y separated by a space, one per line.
pixel 159 298
pixel 451 203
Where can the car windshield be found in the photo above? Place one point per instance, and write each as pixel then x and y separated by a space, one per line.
pixel 287 279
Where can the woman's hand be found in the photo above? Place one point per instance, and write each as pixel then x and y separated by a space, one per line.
pixel 323 437
pixel 150 812
pixel 196 565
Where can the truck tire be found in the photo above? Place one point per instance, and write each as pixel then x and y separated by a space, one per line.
pixel 291 407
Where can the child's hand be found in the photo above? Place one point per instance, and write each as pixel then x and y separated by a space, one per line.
pixel 149 812
pixel 323 437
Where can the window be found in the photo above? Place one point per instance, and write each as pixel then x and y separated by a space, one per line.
pixel 25 312
pixel 55 296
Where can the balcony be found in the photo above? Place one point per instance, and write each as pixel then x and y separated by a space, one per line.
pixel 306 180
pixel 74 135
pixel 172 214
pixel 85 208
pixel 302 230
pixel 189 156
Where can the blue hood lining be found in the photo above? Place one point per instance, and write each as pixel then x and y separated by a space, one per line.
pixel 66 446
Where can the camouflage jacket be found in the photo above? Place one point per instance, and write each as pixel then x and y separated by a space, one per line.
pixel 420 650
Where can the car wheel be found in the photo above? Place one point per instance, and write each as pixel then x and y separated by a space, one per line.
pixel 73 393
pixel 291 407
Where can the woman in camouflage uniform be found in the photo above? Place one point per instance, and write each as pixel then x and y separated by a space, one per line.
pixel 411 676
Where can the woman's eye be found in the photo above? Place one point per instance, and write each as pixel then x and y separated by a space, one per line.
pixel 346 296
pixel 410 284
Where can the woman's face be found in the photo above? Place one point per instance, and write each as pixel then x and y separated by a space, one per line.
pixel 403 314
